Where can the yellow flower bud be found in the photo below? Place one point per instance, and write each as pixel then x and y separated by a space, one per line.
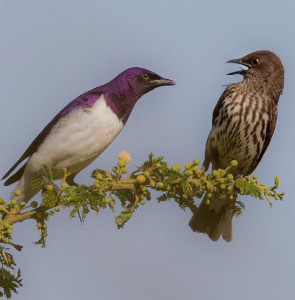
pixel 196 161
pixel 177 167
pixel 188 165
pixel 234 163
pixel 121 163
pixel 17 193
pixel 49 187
pixel 140 179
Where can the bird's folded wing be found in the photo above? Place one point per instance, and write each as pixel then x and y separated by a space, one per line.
pixel 270 127
pixel 76 103
pixel 30 150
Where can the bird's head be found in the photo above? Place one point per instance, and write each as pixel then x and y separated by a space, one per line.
pixel 124 91
pixel 138 81
pixel 261 65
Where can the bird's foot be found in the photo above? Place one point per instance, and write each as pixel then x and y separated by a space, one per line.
pixel 48 183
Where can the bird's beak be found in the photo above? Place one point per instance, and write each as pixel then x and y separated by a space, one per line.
pixel 239 61
pixel 162 82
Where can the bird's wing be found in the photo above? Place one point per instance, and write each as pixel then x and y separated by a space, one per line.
pixel 270 127
pixel 83 100
pixel 30 150
pixel 224 95
pixel 211 155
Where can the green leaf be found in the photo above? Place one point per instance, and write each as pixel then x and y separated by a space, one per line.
pixel 248 188
pixel 48 173
pixel 277 181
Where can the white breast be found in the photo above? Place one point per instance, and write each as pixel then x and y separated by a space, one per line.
pixel 77 139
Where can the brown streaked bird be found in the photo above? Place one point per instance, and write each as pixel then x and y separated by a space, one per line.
pixel 243 123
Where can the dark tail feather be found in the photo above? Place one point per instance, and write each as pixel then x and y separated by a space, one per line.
pixel 227 232
pixel 208 220
pixel 200 220
pixel 15 177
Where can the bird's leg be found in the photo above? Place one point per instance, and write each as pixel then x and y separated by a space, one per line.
pixel 206 163
pixel 240 176
pixel 47 182
pixel 70 180
pixel 204 169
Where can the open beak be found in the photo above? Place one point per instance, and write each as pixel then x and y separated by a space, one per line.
pixel 242 71
pixel 162 82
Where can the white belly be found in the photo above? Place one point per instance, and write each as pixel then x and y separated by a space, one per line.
pixel 77 139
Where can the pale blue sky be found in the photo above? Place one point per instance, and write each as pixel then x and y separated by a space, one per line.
pixel 52 51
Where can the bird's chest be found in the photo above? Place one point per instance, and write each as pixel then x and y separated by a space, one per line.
pixel 101 126
pixel 240 128
pixel 81 136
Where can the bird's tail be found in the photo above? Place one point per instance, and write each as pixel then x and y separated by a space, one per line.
pixel 26 190
pixel 214 219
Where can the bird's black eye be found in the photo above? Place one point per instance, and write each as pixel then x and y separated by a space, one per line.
pixel 255 61
pixel 145 76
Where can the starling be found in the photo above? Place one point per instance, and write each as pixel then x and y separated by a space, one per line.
pixel 243 123
pixel 82 130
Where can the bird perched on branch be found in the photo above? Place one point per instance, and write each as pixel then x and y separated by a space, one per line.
pixel 243 123
pixel 83 129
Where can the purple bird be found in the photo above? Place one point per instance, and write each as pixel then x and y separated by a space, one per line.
pixel 83 129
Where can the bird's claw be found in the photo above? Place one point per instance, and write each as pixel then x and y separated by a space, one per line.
pixel 48 182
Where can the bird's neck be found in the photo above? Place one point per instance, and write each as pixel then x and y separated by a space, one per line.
pixel 122 103
pixel 273 89
pixel 121 96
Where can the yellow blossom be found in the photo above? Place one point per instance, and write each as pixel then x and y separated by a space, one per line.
pixel 125 157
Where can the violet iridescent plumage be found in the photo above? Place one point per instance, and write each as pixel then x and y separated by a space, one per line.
pixel 120 94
